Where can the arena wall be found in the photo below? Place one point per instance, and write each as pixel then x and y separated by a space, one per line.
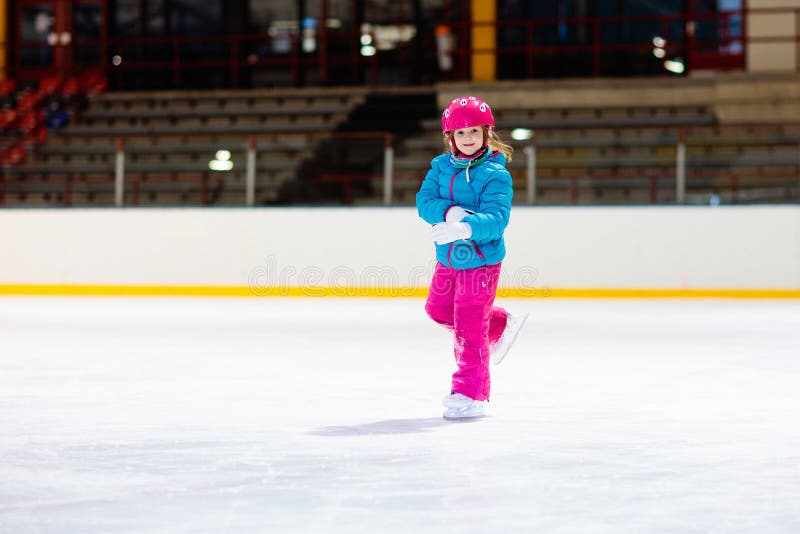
pixel 583 252
pixel 771 35
pixel 733 98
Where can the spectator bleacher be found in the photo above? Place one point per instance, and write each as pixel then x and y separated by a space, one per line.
pixel 595 144
pixel 169 139
pixel 609 153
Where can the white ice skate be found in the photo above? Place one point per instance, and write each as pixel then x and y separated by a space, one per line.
pixel 513 325
pixel 458 406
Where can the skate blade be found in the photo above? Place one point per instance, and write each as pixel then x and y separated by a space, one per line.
pixel 498 360
pixel 455 415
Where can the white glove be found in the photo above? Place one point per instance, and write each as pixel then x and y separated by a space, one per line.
pixel 455 214
pixel 447 232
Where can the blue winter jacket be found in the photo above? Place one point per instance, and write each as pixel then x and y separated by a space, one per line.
pixel 482 186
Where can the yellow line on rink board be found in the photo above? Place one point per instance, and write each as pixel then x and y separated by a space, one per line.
pixel 649 293
pixel 382 292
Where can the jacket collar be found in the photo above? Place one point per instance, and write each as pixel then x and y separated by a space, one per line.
pixel 463 163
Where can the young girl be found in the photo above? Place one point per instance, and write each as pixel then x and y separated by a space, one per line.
pixel 466 196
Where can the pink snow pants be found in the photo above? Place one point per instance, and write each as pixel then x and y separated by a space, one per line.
pixel 463 302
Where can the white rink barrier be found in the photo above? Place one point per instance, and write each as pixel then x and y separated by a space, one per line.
pixel 748 251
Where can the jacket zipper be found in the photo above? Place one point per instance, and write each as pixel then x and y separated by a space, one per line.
pixel 452 197
pixel 452 181
pixel 478 250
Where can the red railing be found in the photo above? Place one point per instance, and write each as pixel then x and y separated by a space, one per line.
pixel 239 53
pixel 597 52
pixel 336 58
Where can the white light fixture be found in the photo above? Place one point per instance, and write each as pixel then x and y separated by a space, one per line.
pixel 116 60
pixel 221 162
pixel 659 53
pixel 521 134
pixel 659 42
pixel 366 39
pixel 217 165
pixel 675 66
pixel 368 51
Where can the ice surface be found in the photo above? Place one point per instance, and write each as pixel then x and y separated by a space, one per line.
pixel 281 415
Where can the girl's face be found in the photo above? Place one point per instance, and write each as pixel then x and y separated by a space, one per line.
pixel 469 140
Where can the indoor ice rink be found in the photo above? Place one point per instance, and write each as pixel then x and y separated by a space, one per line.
pixel 323 415
pixel 132 400
pixel 217 228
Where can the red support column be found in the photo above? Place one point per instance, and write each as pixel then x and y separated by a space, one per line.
pixel 689 28
pixel 322 44
pixel 596 48
pixel 235 66
pixel 295 64
pixel 176 63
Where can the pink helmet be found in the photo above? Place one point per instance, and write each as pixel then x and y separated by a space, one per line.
pixel 466 111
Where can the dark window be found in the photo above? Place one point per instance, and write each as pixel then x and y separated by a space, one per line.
pixel 86 29
pixel 36 24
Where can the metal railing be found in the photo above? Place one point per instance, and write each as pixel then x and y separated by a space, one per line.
pixel 681 177
pixel 346 179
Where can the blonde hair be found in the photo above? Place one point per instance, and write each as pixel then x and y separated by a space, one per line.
pixel 495 143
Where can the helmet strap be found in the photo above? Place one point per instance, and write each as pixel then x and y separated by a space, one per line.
pixel 453 144
pixel 486 135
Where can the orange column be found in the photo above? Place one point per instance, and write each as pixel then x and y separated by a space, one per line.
pixel 3 37
pixel 484 40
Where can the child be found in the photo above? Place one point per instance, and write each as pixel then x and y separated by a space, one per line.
pixel 466 196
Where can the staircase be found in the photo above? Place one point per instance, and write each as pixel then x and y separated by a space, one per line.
pixel 347 166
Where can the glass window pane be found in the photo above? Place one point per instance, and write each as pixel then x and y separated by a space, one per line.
pixel 128 18
pixel 277 19
pixel 86 21
pixel 86 30
pixel 155 21
pixel 36 24
pixel 197 17
pixel 264 12
pixel 387 11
